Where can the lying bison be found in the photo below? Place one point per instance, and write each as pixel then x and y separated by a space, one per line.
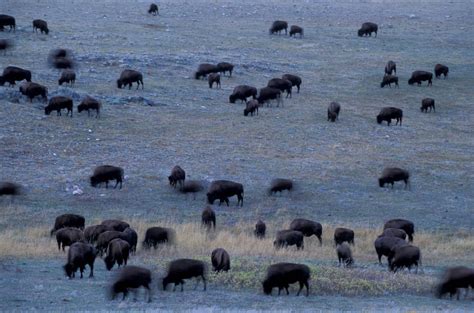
pixel 367 29
pixel 222 190
pixel 12 74
pixel 390 67
pixel 104 173
pixel 278 26
pixel 181 269
pixel 281 275
pixel 208 218
pixel 128 77
pixel 333 111
pixel 420 76
pixel 117 252
pixel 454 279
pixel 268 93
pixel 177 176
pixel 389 113
pixel 131 277
pixel 242 92
pixel 59 103
pixel 389 80
pixel 342 234
pixel 344 255
pixel 41 25
pixel 427 103
pixel 295 29
pixel 279 185
pixel 308 228
pixel 285 238
pixel 65 237
pixel 260 229
pixel 224 67
pixel 399 223
pixel 205 69
pixel 441 69
pixel 153 10
pixel 251 107
pixel 89 104
pixel 220 260
pixel 158 235
pixel 68 220
pixel 214 78
pixel 405 256
pixel 79 255
pixel 281 84
pixel 7 20
pixel 390 175
pixel 295 80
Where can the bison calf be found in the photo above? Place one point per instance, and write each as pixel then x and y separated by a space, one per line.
pixel 251 107
pixel 295 29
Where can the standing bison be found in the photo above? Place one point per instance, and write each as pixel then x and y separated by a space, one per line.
pixel 399 223
pixel 367 29
pixel 389 113
pixel 278 26
pixel 104 173
pixel 220 260
pixel 405 256
pixel 333 111
pixel 222 190
pixel 131 277
pixel 281 275
pixel 41 25
pixel 128 77
pixel 58 103
pixel 68 220
pixel 342 234
pixel 153 10
pixel 269 93
pixel 295 29
pixel 158 235
pixel 285 238
pixel 389 80
pixel 177 176
pixel 390 67
pixel 295 80
pixel 89 104
pixel 344 255
pixel 427 103
pixel 281 84
pixel 279 185
pixel 260 229
pixel 79 255
pixel 242 92
pixel 224 67
pixel 205 69
pixel 420 76
pixel 7 20
pixel 390 175
pixel 181 269
pixel 308 228
pixel 65 237
pixel 454 279
pixel 441 69
pixel 208 218
pixel 383 246
pixel 12 74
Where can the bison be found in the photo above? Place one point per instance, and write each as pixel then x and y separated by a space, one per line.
pixel 32 90
pixel 117 252
pixel 281 84
pixel 7 20
pixel 67 76
pixel 117 225
pixel 68 220
pixel 251 107
pixel 308 228
pixel 223 190
pixel 181 269
pixel 242 92
pixel 427 103
pixel 394 232
pixel 103 240
pixel 367 29
pixel 58 103
pixel 344 255
pixel 390 175
pixel 285 238
pixel 89 104
pixel 224 67
pixel 390 67
pixel 333 111
pixel 158 235
pixel 405 256
pixel 260 229
pixel 205 69
pixel 454 279
pixel 79 255
pixel 153 9
pixel 92 232
pixel 441 69
pixel 342 234
pixel 9 189
pixel 383 246
pixel 278 26
pixel 389 80
pixel 191 186
pixel 389 113
pixel 214 78
pixel 4 45
pixel 420 76
pixel 131 236
pixel 220 260
pixel 295 29
pixel 67 236
pixel 208 218
pixel 295 80
pixel 41 25
pixel 268 93
pixel 104 173
pixel 128 77
pixel 12 74
pixel 177 176
pixel 406 225
pixel 280 184
pixel 131 277
pixel 281 275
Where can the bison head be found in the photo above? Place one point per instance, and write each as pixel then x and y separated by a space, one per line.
pixel 94 181
pixel 80 108
pixel 381 182
pixel 360 32
pixel 119 83
pixel 47 110
pixel 2 81
pixel 210 198
pixel 69 270
pixel 246 112
pixel 109 262
pixel 411 81
pixel 379 119
pixel 267 287
pixel 232 98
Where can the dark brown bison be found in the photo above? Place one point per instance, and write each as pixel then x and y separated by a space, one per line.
pixel 208 218
pixel 41 25
pixel 224 67
pixel 394 232
pixel 223 190
pixel 278 26
pixel 281 275
pixel 60 59
pixel 383 246
pixel 158 235
pixel 62 63
pixel 390 67
pixel 367 29
pixel 131 236
pixel 7 20
pixel 390 175
pixel 279 185
pixel 5 44
pixel 67 76
pixel 131 277
pixel 103 240
pixel 92 232
pixel 260 229
pixel 333 111
pixel 32 90
pixel 427 103
pixel 295 80
pixel 285 238
pixel 389 113
pixel 242 92
pixel 220 260
pixel 454 279
pixel 399 223
pixel 79 255
pixel 153 9
pixel 214 78
pixel 117 225
pixel 177 176
pixel 295 29
pixel 9 189
pixel 104 173
pixel 420 76
pixel 389 80
pixel 89 104
pixel 67 236
pixel 268 93
pixel 344 255
pixel 205 69
pixel 191 186
pixel 405 256
pixel 342 234
pixel 441 69
pixel 12 74
pixel 117 252
pixel 181 269
pixel 282 85
pixel 251 107
pixel 128 77
pixel 308 228
pixel 68 220
pixel 59 103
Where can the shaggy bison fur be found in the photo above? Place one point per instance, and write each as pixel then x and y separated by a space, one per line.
pixel 59 103
pixel 308 228
pixel 220 260
pixel 68 220
pixel 223 190
pixel 12 74
pixel 117 252
pixel 342 234
pixel 67 236
pixel 281 275
pixel 181 269
pixel 389 113
pixel 79 255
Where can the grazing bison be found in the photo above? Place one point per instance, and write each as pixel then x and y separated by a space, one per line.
pixel 281 275
pixel 268 93
pixel 278 26
pixel 389 113
pixel 128 77
pixel 7 20
pixel 79 255
pixel 441 69
pixel 89 104
pixel 41 25
pixel 12 74
pixel 9 189
pixel 181 269
pixel 153 9
pixel 103 240
pixel 62 63
pixel 117 252
pixel 131 236
pixel 390 67
pixel 390 175
pixel 367 29
pixel 68 220
pixel 454 279
pixel 344 255
pixel 251 107
pixel 67 76
pixel 260 229
pixel 191 186
pixel 177 176
pixel 427 103
pixel 281 84
pixel 224 67
pixel 116 224
pixel 158 235
pixel 406 225
pixel 389 80
pixel 342 234
pixel 32 90
pixel 4 45
pixel 205 69
pixel 92 232
pixel 383 246
pixel 295 80
pixel 242 92
pixel 405 256
pixel 295 29
pixel 214 78
pixel 280 184
pixel 58 103
pixel 67 236
pixel 394 232
pixel 420 76
pixel 308 228
pixel 333 111
pixel 131 277
pixel 223 190
pixel 104 173
pixel 220 260
pixel 285 238
pixel 208 218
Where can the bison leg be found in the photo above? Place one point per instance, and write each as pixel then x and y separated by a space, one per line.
pixel 91 265
pixel 301 288
pixel 307 287
pixel 279 290
pixel 320 240
pixel 287 292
